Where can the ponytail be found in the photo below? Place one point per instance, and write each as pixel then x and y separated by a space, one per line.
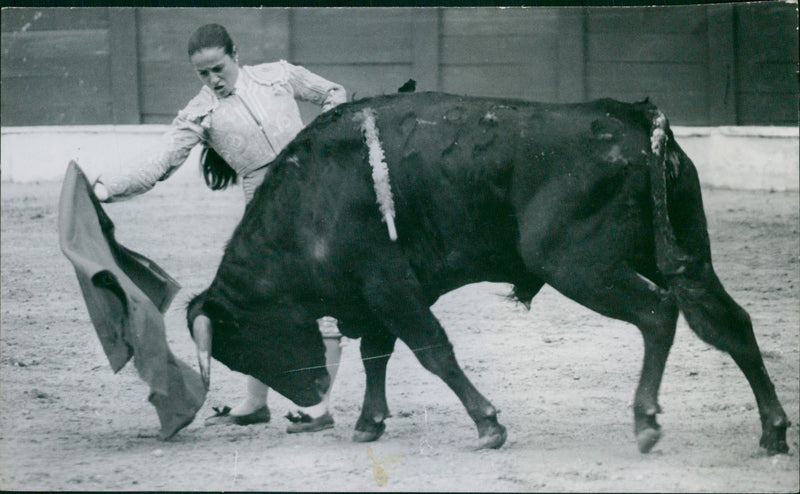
pixel 217 173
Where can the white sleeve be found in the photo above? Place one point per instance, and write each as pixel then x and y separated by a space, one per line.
pixel 308 86
pixel 174 147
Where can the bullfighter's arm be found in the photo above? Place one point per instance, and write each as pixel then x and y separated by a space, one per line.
pixel 174 148
pixel 308 86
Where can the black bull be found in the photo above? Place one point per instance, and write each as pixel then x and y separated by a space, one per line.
pixel 595 199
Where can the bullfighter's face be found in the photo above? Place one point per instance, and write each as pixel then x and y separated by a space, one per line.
pixel 217 69
pixel 278 348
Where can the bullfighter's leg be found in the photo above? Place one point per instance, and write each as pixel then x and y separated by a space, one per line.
pixel 255 397
pixel 375 352
pixel 623 294
pixel 318 417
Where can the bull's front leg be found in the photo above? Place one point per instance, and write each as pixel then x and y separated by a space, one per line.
pixel 440 359
pixel 426 338
pixel 395 298
pixel 375 352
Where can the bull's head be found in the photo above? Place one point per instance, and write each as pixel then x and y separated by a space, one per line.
pixel 280 347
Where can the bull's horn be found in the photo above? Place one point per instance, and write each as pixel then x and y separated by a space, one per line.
pixel 203 333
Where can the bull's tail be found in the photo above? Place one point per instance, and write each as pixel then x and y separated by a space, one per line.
pixel 683 253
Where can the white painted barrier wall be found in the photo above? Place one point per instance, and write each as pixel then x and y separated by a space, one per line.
pixel 42 153
pixel 760 158
pixel 753 158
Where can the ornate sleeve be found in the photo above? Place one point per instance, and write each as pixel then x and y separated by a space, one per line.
pixel 308 86
pixel 173 149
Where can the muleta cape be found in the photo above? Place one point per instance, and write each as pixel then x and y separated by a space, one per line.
pixel 126 295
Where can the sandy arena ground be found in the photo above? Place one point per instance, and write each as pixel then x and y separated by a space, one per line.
pixel 562 376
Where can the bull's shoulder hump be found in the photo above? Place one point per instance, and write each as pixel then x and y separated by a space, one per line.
pixel 201 105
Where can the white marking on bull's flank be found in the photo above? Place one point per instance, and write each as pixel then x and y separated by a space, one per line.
pixel 380 170
pixel 293 160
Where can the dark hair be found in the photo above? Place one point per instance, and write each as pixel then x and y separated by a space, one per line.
pixel 217 173
pixel 211 36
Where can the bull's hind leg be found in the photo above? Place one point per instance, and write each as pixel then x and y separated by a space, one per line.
pixel 400 305
pixel 719 320
pixel 624 295
pixel 375 352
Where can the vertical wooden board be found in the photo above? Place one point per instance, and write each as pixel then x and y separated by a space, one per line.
pixel 80 67
pixel 647 47
pixel 652 77
pixel 766 47
pixel 19 47
pixel 768 109
pixel 391 47
pixel 534 48
pixel 371 23
pixel 259 34
pixel 508 81
pixel 721 65
pixel 29 19
pixel 426 49
pixel 124 66
pixel 166 89
pixel 55 66
pixel 57 114
pixel 767 31
pixel 78 85
pixel 571 55
pixel 503 21
pixel 71 99
pixel 681 19
pixel 351 35
pixel 769 77
pixel 365 80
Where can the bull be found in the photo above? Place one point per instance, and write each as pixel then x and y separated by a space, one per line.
pixel 594 199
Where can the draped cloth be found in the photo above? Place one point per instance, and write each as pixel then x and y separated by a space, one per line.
pixel 126 295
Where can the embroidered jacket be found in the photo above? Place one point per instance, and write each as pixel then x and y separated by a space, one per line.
pixel 248 128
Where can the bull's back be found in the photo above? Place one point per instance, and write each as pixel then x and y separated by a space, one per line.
pixel 468 174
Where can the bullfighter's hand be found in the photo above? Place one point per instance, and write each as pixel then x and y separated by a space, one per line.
pixel 100 191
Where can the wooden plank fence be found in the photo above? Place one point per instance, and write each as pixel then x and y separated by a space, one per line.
pixel 727 64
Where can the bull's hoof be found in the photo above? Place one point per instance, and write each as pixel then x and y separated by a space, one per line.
pixel 494 440
pixel 646 439
pixel 773 438
pixel 366 433
pixel 646 428
pixel 491 434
